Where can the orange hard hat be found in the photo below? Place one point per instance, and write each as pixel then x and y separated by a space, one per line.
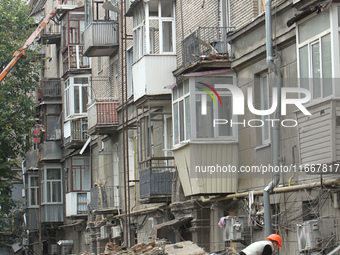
pixel 276 238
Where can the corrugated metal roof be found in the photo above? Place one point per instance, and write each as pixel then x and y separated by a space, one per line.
pixel 38 6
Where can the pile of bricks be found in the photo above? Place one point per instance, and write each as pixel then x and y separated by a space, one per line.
pixel 151 248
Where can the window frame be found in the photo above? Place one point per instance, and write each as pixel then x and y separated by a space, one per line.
pixel 36 191
pixel 44 185
pixel 82 168
pixel 69 97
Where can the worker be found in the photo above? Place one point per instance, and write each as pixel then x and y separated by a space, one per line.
pixel 264 247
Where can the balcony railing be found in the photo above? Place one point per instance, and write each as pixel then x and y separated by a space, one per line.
pixel 206 43
pixel 155 178
pixel 73 59
pixel 51 88
pixel 102 113
pixel 101 38
pixel 105 197
pixel 75 131
pixel 51 34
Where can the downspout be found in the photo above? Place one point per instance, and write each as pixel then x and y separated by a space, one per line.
pixel 276 131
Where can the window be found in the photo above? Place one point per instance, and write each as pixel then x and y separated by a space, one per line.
pixel 51 185
pixel 261 6
pixel 195 106
pixel 33 191
pixel 315 55
pixel 264 89
pixel 81 174
pixel 76 95
pixel 53 127
pixel 181 112
pixel 81 203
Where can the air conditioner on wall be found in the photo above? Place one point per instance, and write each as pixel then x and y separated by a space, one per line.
pixel 105 232
pixel 314 234
pixel 115 231
pixel 233 229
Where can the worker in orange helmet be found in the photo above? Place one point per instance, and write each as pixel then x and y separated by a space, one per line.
pixel 264 247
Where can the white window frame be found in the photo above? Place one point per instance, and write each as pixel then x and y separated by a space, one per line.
pixel 333 31
pixel 44 182
pixel 70 99
pixel 35 188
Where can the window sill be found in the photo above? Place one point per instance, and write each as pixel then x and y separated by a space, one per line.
pixel 263 146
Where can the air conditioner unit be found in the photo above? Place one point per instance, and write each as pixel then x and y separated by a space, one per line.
pixel 233 229
pixel 25 241
pixel 314 234
pixel 58 134
pixel 115 231
pixel 105 231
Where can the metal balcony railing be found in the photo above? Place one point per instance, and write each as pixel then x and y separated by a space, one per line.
pixel 78 130
pixel 51 88
pixel 102 112
pixel 155 177
pixel 205 43
pixel 104 197
pixel 101 38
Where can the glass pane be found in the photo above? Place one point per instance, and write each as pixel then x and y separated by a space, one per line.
pixel 304 73
pixel 53 174
pixel 166 8
pixel 314 26
pixel 34 181
pixel 186 86
pixel 53 123
pixel 82 80
pixel 204 123
pixel 74 32
pixel 181 120
pixel 78 161
pixel 33 196
pixel 326 65
pixel 84 98
pixel 180 89
pixel 76 178
pixel 176 133
pixel 86 178
pixel 167 36
pixel 187 118
pixel 76 99
pixel 67 102
pixel 175 93
pixel 224 112
pixel 56 191
pixel 49 192
pixel 153 8
pixel 316 70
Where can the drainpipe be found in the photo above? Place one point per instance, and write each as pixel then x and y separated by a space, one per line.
pixel 276 132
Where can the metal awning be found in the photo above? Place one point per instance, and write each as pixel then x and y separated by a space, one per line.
pixel 170 226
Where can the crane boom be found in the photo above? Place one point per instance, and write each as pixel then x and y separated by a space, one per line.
pixel 19 53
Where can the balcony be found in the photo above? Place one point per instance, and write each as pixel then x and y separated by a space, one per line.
pixel 76 204
pixel 50 34
pixel 31 159
pixel 75 133
pixel 105 199
pixel 51 88
pixel 74 61
pixel 50 150
pixel 155 179
pixel 52 213
pixel 207 43
pixel 101 38
pixel 151 81
pixel 103 116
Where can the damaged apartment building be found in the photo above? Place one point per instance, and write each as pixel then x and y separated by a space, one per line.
pixel 138 100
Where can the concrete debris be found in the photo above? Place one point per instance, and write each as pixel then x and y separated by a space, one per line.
pixel 184 248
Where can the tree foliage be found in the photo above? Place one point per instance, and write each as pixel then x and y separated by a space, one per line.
pixel 16 103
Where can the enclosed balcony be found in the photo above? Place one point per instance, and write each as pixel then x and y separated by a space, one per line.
pixel 51 88
pixel 207 43
pixel 75 133
pixel 76 204
pixel 155 179
pixel 74 60
pixel 101 38
pixel 105 199
pixel 103 116
pixel 31 159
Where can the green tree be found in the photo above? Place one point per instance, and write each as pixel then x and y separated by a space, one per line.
pixel 16 90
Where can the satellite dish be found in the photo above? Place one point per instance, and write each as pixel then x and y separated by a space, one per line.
pixel 110 7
